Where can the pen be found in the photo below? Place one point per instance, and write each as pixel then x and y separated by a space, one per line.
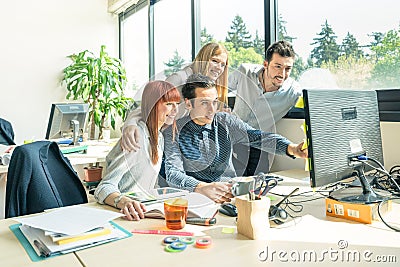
pixel 44 251
pixel 201 221
pixel 162 232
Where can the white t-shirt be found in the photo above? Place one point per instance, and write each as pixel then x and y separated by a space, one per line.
pixel 260 109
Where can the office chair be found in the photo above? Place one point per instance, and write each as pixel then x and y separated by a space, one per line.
pixel 6 133
pixel 40 177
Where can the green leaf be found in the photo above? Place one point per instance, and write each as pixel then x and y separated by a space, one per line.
pixel 99 81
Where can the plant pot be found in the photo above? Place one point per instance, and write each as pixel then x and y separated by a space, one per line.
pixel 93 174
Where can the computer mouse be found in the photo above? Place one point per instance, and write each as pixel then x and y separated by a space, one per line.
pixel 228 209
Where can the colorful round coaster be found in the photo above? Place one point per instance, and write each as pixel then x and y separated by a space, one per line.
pixel 203 242
pixel 187 239
pixel 178 245
pixel 168 248
pixel 170 239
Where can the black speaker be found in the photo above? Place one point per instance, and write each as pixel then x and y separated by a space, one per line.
pixel 277 215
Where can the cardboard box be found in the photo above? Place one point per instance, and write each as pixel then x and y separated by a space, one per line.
pixel 364 213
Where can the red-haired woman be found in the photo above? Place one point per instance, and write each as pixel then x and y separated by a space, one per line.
pixel 138 171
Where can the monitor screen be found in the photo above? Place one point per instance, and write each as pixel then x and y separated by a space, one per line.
pixel 340 124
pixel 64 118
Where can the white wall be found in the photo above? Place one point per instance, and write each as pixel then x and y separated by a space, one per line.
pixel 391 143
pixel 290 128
pixel 36 37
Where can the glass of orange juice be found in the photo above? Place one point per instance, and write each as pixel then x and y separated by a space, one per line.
pixel 175 211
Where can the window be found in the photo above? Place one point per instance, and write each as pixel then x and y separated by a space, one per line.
pixel 358 41
pixel 340 43
pixel 172 36
pixel 239 24
pixel 135 51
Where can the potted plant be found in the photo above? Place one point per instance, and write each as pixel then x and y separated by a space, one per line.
pixel 100 82
pixel 93 173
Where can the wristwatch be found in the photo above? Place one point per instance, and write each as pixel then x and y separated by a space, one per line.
pixel 117 200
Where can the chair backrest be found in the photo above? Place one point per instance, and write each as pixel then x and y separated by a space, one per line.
pixel 6 133
pixel 40 177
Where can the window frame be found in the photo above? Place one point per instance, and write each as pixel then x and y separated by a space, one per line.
pixel 388 99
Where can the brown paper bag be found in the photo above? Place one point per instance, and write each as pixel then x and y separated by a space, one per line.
pixel 253 220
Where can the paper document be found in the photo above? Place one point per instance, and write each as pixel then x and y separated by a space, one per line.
pixel 33 234
pixel 72 220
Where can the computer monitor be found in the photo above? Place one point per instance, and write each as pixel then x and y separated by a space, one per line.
pixel 67 120
pixel 342 125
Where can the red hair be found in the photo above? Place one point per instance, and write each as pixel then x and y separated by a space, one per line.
pixel 156 93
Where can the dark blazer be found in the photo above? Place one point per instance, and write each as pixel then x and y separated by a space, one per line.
pixel 40 177
pixel 7 132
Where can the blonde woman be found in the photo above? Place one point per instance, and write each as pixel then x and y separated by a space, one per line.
pixel 211 61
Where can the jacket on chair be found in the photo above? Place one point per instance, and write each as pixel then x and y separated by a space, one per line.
pixel 40 177
pixel 7 131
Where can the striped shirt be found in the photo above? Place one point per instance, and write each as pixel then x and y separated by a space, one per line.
pixel 204 153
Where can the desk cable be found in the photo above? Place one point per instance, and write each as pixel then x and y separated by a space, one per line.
pixel 385 182
pixel 295 206
pixel 389 225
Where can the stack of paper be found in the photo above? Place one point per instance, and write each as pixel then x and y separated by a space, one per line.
pixel 70 229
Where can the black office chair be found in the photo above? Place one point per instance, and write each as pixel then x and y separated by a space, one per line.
pixel 40 177
pixel 6 133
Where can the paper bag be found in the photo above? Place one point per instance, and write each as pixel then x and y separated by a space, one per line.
pixel 253 220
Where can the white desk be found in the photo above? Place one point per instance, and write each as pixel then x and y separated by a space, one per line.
pixel 3 183
pixel 3 169
pixel 13 254
pixel 313 232
pixel 96 152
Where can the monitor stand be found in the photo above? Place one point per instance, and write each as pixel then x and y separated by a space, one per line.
pixel 355 195
pixel 357 182
pixel 75 131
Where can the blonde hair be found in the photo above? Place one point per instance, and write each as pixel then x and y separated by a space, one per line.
pixel 202 62
pixel 156 93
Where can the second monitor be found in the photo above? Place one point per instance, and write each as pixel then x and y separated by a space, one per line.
pixel 67 121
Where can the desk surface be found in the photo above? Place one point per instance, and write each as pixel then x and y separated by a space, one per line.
pixel 313 232
pixel 13 254
pixel 96 152
pixel 3 169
